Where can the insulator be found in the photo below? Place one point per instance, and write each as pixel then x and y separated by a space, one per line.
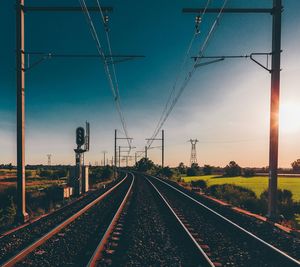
pixel 198 20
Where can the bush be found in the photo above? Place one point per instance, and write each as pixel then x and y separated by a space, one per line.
pixel 249 172
pixel 107 173
pixel 235 195
pixel 200 183
pixel 45 174
pixel 207 169
pixel 286 206
pixel 166 171
pixel 232 169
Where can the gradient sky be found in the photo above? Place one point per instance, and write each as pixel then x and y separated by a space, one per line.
pixel 225 106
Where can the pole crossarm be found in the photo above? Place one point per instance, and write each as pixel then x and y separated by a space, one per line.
pixel 48 56
pixel 65 9
pixel 228 10
pixel 216 59
pixel 153 147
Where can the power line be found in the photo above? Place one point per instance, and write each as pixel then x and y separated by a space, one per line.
pixel 115 91
pixel 186 56
pixel 190 73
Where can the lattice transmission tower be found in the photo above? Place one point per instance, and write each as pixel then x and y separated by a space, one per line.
pixel 49 159
pixel 193 151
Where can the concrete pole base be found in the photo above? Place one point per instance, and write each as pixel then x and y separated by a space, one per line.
pixel 23 217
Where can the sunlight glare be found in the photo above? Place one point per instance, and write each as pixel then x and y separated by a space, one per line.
pixel 289 120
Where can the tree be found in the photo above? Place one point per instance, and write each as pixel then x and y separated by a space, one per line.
pixel 207 169
pixel 144 165
pixel 107 172
pixel 194 170
pixel 200 183
pixel 10 212
pixel 166 171
pixel 181 168
pixel 232 169
pixel 296 165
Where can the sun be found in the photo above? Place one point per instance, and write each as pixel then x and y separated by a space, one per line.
pixel 289 118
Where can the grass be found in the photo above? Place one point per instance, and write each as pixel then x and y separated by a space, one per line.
pixel 257 184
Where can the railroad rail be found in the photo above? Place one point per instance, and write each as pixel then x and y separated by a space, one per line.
pixel 42 240
pixel 206 260
pixel 97 255
pixel 266 249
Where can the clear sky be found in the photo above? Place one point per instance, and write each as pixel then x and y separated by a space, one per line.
pixel 225 105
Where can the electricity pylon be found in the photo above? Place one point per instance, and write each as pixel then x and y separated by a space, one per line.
pixel 193 151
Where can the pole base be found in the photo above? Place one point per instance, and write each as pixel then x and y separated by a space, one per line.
pixel 271 218
pixel 23 217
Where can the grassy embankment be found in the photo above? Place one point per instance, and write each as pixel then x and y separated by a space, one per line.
pixel 257 184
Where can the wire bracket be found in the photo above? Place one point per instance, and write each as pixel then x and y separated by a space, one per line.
pixel 216 59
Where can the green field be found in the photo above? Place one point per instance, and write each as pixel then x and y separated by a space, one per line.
pixel 257 184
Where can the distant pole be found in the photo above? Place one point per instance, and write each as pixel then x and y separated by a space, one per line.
pixel 119 156
pixel 146 152
pixel 104 152
pixel 22 215
pixel 274 114
pixel 126 161
pixel 49 159
pixel 162 148
pixel 135 158
pixel 115 172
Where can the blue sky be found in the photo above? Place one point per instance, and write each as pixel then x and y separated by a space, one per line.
pixel 225 106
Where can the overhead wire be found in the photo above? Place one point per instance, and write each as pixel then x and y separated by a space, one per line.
pixel 186 56
pixel 113 83
pixel 189 75
pixel 105 23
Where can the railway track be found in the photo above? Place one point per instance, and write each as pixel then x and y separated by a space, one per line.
pixel 148 234
pixel 220 241
pixel 73 241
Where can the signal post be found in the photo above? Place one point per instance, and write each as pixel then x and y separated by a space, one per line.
pixel 81 139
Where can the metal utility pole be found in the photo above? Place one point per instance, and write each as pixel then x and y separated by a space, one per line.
pixel 193 158
pixel 162 148
pixel 115 148
pixel 274 119
pixel 49 159
pixel 146 152
pixel 104 152
pixel 22 215
pixel 275 11
pixel 119 156
pixel 119 138
pixel 162 139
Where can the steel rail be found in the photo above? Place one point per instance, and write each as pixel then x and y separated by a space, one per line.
pixel 269 246
pixel 207 259
pixel 101 246
pixel 23 253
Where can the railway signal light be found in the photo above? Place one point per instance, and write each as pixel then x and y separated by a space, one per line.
pixel 80 137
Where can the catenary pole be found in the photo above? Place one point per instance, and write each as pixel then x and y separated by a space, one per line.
pixel 274 114
pixel 22 215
